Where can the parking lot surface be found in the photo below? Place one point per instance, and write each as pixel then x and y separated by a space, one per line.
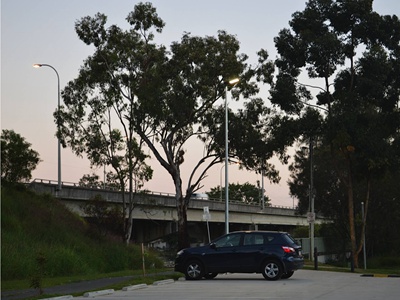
pixel 305 284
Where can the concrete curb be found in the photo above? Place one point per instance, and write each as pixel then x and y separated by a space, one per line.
pixel 162 282
pixel 59 298
pixel 381 275
pixel 134 287
pixel 181 279
pixel 98 293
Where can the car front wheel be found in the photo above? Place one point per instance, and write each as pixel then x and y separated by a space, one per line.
pixel 194 270
pixel 272 270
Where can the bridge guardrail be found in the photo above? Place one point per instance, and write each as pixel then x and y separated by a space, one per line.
pixel 231 201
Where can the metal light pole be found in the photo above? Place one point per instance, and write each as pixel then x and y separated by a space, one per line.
pixel 262 188
pixel 220 182
pixel 231 82
pixel 312 217
pixel 58 122
pixel 364 247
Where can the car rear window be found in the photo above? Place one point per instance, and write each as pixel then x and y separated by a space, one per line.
pixel 289 239
pixel 279 239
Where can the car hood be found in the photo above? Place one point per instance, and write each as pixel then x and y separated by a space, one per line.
pixel 199 249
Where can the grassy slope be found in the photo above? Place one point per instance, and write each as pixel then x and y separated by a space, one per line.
pixel 38 226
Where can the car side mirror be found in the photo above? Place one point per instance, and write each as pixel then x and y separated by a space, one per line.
pixel 213 246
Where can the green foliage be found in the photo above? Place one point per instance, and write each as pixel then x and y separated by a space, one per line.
pixel 36 280
pixel 354 53
pixel 300 232
pixel 35 226
pixel 247 193
pixel 104 215
pixel 90 181
pixel 384 262
pixel 18 160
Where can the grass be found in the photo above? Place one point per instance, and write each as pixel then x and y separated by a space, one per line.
pixel 54 281
pixel 309 265
pixel 42 241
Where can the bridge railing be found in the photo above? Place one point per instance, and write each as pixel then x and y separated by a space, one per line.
pixel 231 201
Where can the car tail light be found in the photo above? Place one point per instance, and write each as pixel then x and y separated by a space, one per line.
pixel 288 249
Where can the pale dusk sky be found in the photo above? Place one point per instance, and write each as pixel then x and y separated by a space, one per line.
pixel 42 31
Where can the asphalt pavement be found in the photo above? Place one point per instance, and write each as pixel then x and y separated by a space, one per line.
pixel 65 289
pixel 305 284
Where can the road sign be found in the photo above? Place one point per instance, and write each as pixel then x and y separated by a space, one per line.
pixel 310 217
pixel 206 214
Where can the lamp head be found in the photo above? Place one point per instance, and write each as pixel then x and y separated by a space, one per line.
pixel 37 65
pixel 234 81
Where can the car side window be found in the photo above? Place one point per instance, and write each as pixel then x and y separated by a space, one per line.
pixel 229 240
pixel 253 239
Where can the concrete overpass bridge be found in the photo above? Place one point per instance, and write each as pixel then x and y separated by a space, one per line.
pixel 155 214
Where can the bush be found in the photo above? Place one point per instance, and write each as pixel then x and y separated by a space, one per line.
pixel 391 262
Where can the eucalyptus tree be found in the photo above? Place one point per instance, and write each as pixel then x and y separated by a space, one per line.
pixel 18 159
pixel 354 52
pixel 167 98
pixel 97 118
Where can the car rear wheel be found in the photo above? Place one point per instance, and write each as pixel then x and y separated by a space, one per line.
pixel 194 270
pixel 210 275
pixel 272 270
pixel 287 275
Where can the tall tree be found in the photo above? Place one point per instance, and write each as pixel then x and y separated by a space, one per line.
pixel 360 92
pixel 169 98
pixel 98 118
pixel 18 160
pixel 247 193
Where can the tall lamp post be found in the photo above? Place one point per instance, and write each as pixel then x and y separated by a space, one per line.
pixel 58 123
pixel 231 82
pixel 312 212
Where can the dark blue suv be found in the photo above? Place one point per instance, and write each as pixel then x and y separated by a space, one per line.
pixel 273 254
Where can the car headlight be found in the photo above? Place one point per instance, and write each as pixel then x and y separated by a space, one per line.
pixel 179 253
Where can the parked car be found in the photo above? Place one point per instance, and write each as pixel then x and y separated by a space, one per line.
pixel 273 254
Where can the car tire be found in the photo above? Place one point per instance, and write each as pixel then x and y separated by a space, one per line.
pixel 210 275
pixel 287 275
pixel 194 270
pixel 272 270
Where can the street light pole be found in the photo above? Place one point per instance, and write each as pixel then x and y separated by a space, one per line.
pixel 220 182
pixel 262 187
pixel 58 122
pixel 231 82
pixel 312 218
pixel 364 247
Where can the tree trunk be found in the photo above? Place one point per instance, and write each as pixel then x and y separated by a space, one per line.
pixel 128 229
pixel 350 197
pixel 129 221
pixel 364 220
pixel 183 236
